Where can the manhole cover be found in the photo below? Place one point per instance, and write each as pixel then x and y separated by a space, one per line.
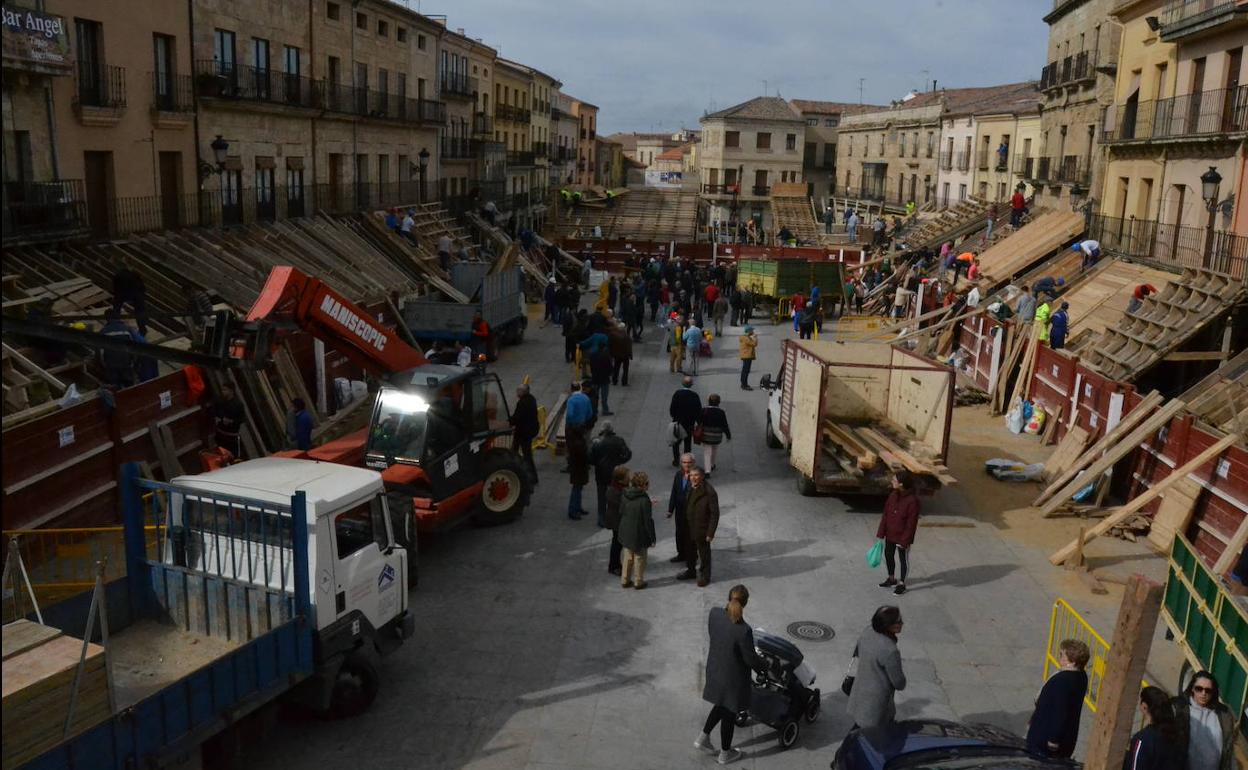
pixel 811 631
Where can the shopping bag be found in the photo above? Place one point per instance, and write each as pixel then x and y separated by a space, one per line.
pixel 875 554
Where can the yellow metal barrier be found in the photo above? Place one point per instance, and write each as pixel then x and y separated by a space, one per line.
pixel 1065 623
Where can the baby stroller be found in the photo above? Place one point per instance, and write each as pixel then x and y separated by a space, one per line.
pixel 784 694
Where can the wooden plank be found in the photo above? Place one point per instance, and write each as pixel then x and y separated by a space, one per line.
pixel 1067 452
pixel 1174 514
pixel 22 635
pixel 1128 657
pixel 1145 497
pixel 1128 423
pixel 1233 548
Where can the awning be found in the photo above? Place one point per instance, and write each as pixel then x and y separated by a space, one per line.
pixel 295 163
pixel 264 161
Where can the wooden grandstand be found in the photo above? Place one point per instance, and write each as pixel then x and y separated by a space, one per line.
pixel 638 213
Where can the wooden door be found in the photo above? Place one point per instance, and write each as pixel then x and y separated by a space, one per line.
pixel 170 189
pixel 97 179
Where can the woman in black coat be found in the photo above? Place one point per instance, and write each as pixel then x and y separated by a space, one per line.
pixel 729 660
pixel 1158 746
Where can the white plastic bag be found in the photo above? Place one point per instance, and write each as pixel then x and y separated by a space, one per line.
pixel 71 397
pixel 1014 418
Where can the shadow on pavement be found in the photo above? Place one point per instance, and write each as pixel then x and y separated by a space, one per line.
pixel 962 577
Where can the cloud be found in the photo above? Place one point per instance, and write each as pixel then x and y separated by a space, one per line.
pixel 651 64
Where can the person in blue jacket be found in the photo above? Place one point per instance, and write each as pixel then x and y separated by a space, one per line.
pixel 1059 325
pixel 1054 726
pixel 1158 746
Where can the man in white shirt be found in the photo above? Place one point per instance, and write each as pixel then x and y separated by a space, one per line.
pixel 444 251
pixel 406 228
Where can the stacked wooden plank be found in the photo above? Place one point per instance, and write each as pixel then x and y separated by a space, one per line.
pixel 1166 320
pixel 40 664
pixel 1099 296
pixel 1027 245
pixel 643 214
pixel 952 223
pixel 862 448
pixel 1220 400
pixel 796 214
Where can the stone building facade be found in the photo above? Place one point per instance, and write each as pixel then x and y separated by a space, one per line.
pixel 1077 85
pixel 586 116
pixel 874 163
pixel 746 149
pixel 819 150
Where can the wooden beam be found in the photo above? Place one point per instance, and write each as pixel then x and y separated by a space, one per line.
pixel 1231 552
pixel 1196 355
pixel 1124 668
pixel 1145 497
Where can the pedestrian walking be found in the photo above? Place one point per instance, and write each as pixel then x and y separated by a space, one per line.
pixel 692 339
pixel 730 657
pixel 851 226
pixel 1053 728
pixel 714 425
pixel 615 492
pixel 1158 745
pixel 676 344
pixel 578 416
pixel 747 347
pixel 685 410
pixel 597 345
pixel 1206 725
pixel 635 531
pixel 607 452
pixel 525 427
pixel 879 675
pixel 676 500
pixel 444 251
pixel 1018 207
pixel 550 295
pixel 896 528
pixel 806 320
pixel 829 219
pixel 702 513
pixel 620 344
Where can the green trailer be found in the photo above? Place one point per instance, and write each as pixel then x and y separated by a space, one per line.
pixel 1209 624
pixel 782 278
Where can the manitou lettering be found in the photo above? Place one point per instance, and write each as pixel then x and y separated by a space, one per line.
pixel 353 323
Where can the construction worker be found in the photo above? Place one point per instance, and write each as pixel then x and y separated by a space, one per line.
pixel 610 199
pixel 1059 324
pixel 1048 285
pixel 1043 312
pixel 118 365
pixel 1138 296
pixel 1091 252
pixel 910 209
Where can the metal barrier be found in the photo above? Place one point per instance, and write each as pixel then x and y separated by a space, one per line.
pixel 61 562
pixel 1065 623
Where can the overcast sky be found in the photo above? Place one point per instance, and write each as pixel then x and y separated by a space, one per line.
pixel 657 65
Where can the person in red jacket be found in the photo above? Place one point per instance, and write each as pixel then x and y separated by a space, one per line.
pixel 897 525
pixel 710 294
pixel 480 335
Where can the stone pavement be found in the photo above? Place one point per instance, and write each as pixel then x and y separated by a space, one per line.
pixel 529 655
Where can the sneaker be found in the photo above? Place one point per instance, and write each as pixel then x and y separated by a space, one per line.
pixel 728 755
pixel 703 743
pixel 889 583
pixel 900 589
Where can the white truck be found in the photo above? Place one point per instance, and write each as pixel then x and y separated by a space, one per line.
pixel 850 414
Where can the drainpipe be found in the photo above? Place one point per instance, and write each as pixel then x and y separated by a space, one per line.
pixel 312 120
pixel 56 161
pixel 200 207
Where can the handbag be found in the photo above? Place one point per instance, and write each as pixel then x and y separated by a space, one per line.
pixel 875 554
pixel 698 434
pixel 851 671
pixel 677 433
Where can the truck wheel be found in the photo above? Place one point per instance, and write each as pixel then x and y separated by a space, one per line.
pixel 504 489
pixel 356 687
pixel 805 485
pixel 773 441
pixel 404 523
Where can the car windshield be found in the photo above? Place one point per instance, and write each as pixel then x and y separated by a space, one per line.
pixel 399 424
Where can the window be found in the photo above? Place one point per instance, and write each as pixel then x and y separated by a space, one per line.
pixel 881 144
pixel 914 153
pixel 383 28
pixel 332 11
pixel 732 138
pixel 353 529
pixel 812 122
pixel 222 51
pixel 265 182
pixel 901 151
pixel 260 60
pixel 361 21
pixel 762 140
pixel 162 76
pixel 790 141
pixel 400 34
pixel 420 42
pixel 850 143
pixel 831 122
pixel 294 186
pixel 290 55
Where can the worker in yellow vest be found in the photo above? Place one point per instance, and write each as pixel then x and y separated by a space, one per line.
pixel 1043 312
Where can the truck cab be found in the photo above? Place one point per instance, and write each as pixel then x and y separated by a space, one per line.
pixel 356 571
pixel 440 435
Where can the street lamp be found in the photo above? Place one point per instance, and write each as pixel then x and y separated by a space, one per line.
pixel 220 149
pixel 1209 183
pixel 424 167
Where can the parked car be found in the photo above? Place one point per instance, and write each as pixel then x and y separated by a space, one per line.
pixel 937 744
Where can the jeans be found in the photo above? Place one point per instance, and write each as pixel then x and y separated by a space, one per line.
pixel 902 553
pixel 853 234
pixel 988 234
pixel 746 363
pixel 574 502
pixel 601 391
pixel 1016 216
pixel 693 358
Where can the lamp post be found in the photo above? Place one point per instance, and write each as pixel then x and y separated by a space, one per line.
pixel 424 167
pixel 1209 183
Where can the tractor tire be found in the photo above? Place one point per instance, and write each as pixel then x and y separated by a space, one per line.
pixel 505 489
pixel 356 687
pixel 773 441
pixel 403 520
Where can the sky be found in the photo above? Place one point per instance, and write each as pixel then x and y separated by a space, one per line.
pixel 658 65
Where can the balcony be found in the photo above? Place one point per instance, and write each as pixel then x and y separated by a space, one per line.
pixel 1072 70
pixel 1171 246
pixel 457 85
pixel 1193 18
pixel 172 93
pixel 513 114
pixel 542 150
pixel 482 124
pixel 558 114
pixel 1024 166
pixel 721 189
pixel 44 211
pixel 100 94
pixel 946 161
pixel 520 158
pixel 982 159
pixel 761 191
pixel 1204 114
pixel 963 161
pixel 457 148
pixel 1070 169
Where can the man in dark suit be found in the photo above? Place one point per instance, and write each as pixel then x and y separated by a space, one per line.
pixel 525 427
pixel 702 510
pixel 685 552
pixel 686 409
